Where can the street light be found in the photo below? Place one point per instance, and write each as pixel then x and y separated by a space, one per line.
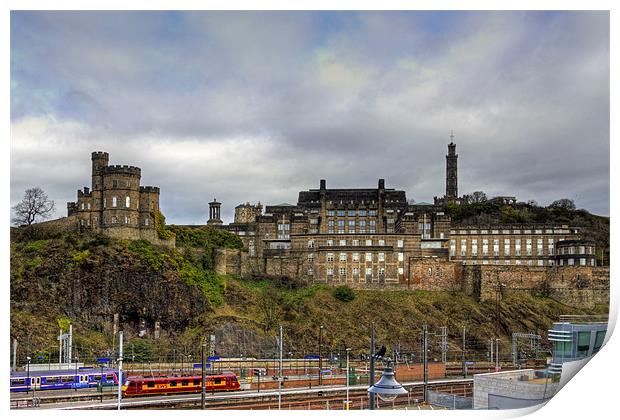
pixel 28 363
pixel 387 388
pixel 347 402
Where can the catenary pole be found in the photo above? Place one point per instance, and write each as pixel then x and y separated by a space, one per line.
pixel 120 367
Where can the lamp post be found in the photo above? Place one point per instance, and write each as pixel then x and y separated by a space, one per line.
pixel 387 388
pixel 320 355
pixel 347 402
pixel 371 396
pixel 202 367
pixel 28 367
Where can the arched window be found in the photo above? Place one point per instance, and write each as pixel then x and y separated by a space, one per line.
pixel 113 201
pixel 127 201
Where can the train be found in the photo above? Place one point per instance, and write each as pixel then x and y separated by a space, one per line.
pixel 140 386
pixel 62 379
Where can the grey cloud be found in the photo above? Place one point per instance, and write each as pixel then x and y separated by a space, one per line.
pixel 342 96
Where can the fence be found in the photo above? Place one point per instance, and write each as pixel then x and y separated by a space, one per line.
pixel 451 401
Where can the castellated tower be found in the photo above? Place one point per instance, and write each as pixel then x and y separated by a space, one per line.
pixel 248 213
pixel 117 204
pixel 451 172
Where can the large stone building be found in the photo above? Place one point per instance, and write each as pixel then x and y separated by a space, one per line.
pixel 373 236
pixel 117 204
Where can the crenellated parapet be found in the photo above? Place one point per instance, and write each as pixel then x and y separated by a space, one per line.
pixel 122 169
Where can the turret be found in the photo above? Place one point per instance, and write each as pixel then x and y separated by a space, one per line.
pixel 214 213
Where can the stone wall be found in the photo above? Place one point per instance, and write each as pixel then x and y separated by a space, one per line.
pixel 126 232
pixel 508 384
pixel 579 286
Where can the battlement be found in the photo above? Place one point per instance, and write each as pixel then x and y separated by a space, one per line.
pixel 100 155
pixel 149 189
pixel 122 169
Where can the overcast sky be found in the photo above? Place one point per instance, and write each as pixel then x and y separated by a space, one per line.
pixel 258 106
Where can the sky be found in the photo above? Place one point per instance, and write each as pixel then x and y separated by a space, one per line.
pixel 257 106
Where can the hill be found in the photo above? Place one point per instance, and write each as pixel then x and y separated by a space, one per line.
pixel 60 278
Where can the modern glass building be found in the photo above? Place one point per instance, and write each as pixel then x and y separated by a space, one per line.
pixel 575 337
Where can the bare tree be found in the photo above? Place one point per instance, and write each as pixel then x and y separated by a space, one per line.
pixel 564 203
pixel 35 204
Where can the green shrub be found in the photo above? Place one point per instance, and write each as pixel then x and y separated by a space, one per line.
pixel 35 246
pixel 34 263
pixel 344 293
pixel 145 251
pixel 160 226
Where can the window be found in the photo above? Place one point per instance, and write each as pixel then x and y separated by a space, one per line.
pixel 351 226
pixel 390 221
pixel 582 261
pixel 400 243
pixel 331 213
pixel 351 213
pixel 362 224
pixel 356 271
pixel 563 349
pixel 381 256
pixel 173 383
pixel 113 201
pixel 368 242
pixel 310 258
pixel 528 247
pixel 598 341
pixel 362 212
pixel 452 247
pixel 571 261
pixel 146 221
pixel 340 223
pixel 82 206
pixel 341 212
pixel 539 263
pixel 485 247
pixel 372 212
pixel 496 247
pixel 314 221
pixel 507 262
pixel 381 271
pixel 582 249
pixel 251 248
pixel 518 247
pixel 342 242
pixel 356 242
pixel 330 257
pixel 506 247
pixel 401 270
pixel 529 262
pixel 310 244
pixel 401 256
pixel 356 257
pixel 518 262
pixel 127 220
pixel 330 271
pixel 369 257
pixel 429 272
pixel 330 223
pixel 343 256
pixel 381 242
pixel 372 223
pixel 88 206
pixel 127 202
pixel 539 246
pixel 583 343
pixel 369 272
pixel 549 246
pixel 150 384
pixel 463 247
pixel 330 242
pixel 343 271
pixel 114 183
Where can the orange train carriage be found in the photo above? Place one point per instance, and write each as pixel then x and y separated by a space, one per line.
pixel 137 386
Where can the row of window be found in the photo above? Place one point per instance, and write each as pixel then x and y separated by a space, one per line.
pixel 355 271
pixel 509 231
pixel 115 202
pixel 356 242
pixel 540 262
pixel 352 213
pixel 355 257
pixel 571 250
pixel 506 248
pixel 352 230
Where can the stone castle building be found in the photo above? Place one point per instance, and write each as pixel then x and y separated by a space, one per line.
pixel 373 236
pixel 117 204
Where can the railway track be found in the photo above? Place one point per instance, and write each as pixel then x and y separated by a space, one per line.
pixel 305 399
